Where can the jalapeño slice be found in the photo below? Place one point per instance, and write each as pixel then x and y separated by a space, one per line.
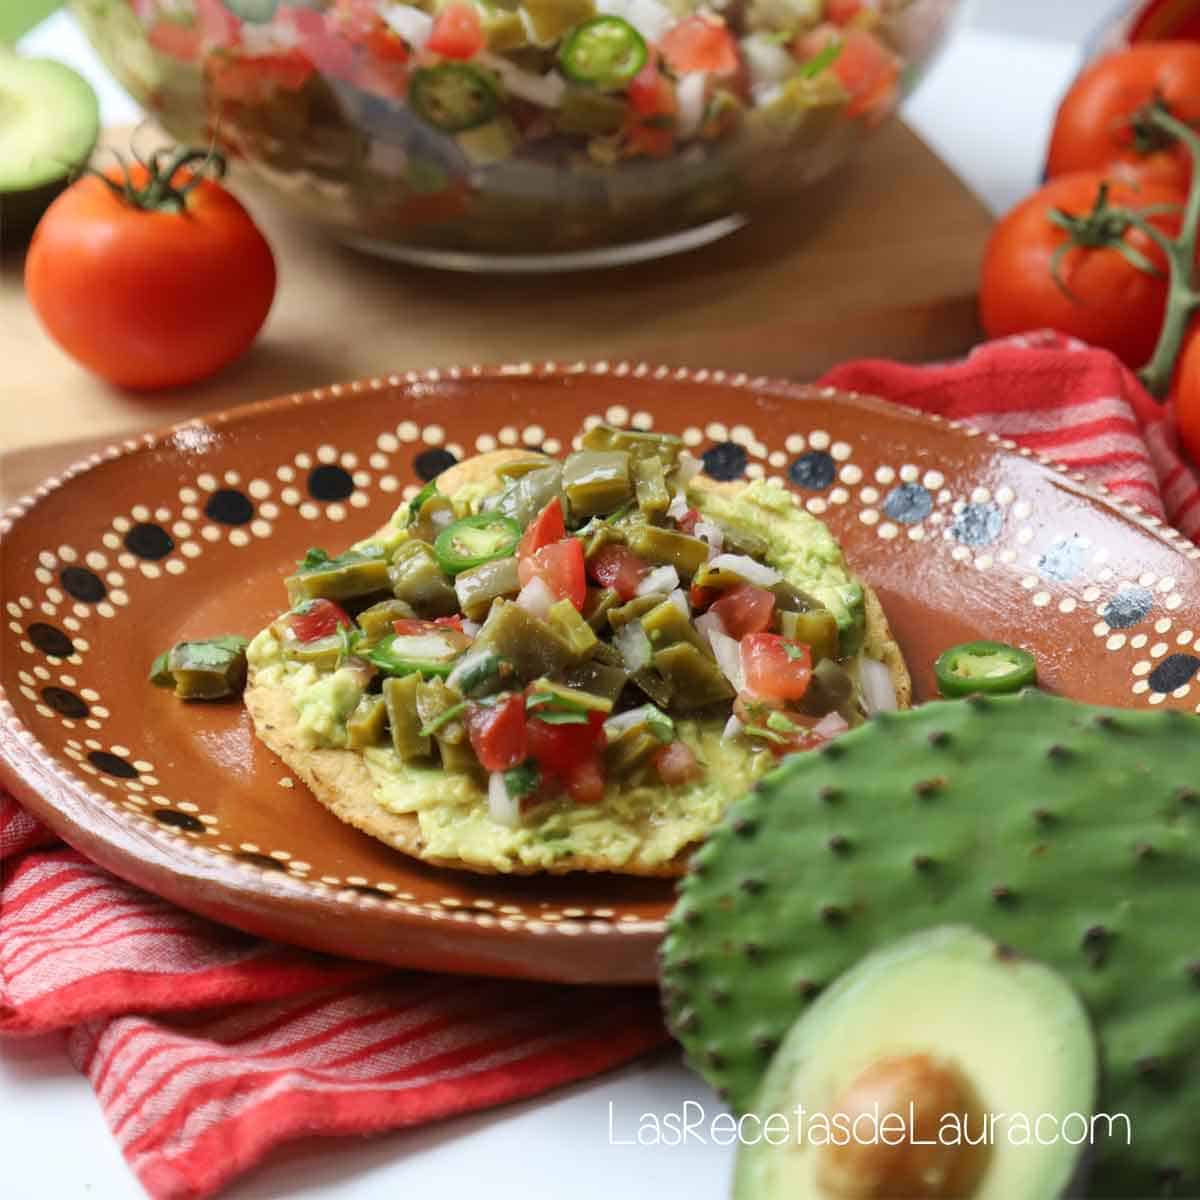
pixel 475 540
pixel 990 668
pixel 453 96
pixel 605 52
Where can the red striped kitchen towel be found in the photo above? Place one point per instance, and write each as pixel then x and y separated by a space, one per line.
pixel 207 1047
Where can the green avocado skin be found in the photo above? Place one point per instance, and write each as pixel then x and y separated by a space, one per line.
pixel 1069 833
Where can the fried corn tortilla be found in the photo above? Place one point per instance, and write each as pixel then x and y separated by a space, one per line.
pixel 350 783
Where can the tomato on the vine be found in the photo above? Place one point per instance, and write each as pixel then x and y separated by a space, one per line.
pixel 1102 122
pixel 151 280
pixel 1034 277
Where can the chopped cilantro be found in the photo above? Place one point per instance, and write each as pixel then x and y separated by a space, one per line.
pixel 522 780
pixel 444 718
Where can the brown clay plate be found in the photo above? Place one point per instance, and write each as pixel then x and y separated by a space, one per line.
pixel 187 533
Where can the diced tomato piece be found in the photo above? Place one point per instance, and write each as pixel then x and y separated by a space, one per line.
pixel 868 70
pixel 617 567
pixel 560 567
pixel 700 43
pixel 317 619
pixel 745 609
pixel 176 40
pixel 255 80
pixel 688 521
pixel 497 733
pixel 457 32
pixel 449 623
pixel 842 12
pixel 561 748
pixel 585 781
pixel 547 527
pixel 701 597
pixel 774 667
pixel 385 45
pixel 676 764
pixel 319 38
pixel 218 26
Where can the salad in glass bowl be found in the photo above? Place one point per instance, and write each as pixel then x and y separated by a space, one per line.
pixel 522 133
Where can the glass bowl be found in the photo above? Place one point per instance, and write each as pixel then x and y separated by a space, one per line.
pixel 522 134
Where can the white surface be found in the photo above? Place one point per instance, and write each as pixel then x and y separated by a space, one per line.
pixel 986 106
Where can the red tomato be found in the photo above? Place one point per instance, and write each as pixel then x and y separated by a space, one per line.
pixel 176 40
pixel 384 44
pixel 701 597
pixel 548 526
pixel 774 667
pixel 745 609
pixel 1107 301
pixel 317 619
pixel 560 568
pixel 585 781
pixel 870 72
pixel 688 521
pixel 1186 395
pixel 617 567
pixel 1101 122
pixel 842 12
pixel 241 79
pixel 676 764
pixel 149 297
pixel 700 43
pixel 654 105
pixel 560 748
pixel 497 733
pixel 457 32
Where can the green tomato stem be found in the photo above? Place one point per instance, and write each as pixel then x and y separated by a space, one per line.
pixel 1183 297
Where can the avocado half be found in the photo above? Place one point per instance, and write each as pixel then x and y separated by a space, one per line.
pixel 946 1030
pixel 49 123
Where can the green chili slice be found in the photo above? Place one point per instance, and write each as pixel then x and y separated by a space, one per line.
pixel 453 96
pixel 990 668
pixel 606 52
pixel 420 654
pixel 475 540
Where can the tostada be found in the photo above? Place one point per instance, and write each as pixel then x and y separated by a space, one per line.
pixel 553 666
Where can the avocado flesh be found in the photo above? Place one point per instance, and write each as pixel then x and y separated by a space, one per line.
pixel 1014 1031
pixel 49 122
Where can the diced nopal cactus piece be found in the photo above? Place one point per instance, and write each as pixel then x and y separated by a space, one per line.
pixel 1069 833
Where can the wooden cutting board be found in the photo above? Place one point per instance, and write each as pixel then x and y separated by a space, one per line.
pixel 881 260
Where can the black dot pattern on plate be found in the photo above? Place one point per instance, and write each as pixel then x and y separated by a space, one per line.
pixel 84 585
pixel 229 507
pixel 978 524
pixel 148 540
pixel 111 764
pixel 725 461
pixel 909 504
pixel 329 482
pixel 429 464
pixel 1062 562
pixel 1173 672
pixel 1128 607
pixel 259 860
pixel 65 703
pixel 50 640
pixel 814 471
pixel 177 820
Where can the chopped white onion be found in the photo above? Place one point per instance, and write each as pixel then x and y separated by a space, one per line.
pixel 536 598
pixel 879 693
pixel 691 95
pixel 618 724
pixel 650 18
pixel 830 725
pixel 687 468
pixel 678 507
pixel 709 623
pixel 502 808
pixel 660 579
pixel 471 628
pixel 546 90
pixel 729 659
pixel 633 646
pixel 766 60
pixel 732 728
pixel 679 598
pixel 752 572
pixel 408 22
pixel 714 535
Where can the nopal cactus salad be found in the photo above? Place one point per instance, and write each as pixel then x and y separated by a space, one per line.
pixel 503 119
